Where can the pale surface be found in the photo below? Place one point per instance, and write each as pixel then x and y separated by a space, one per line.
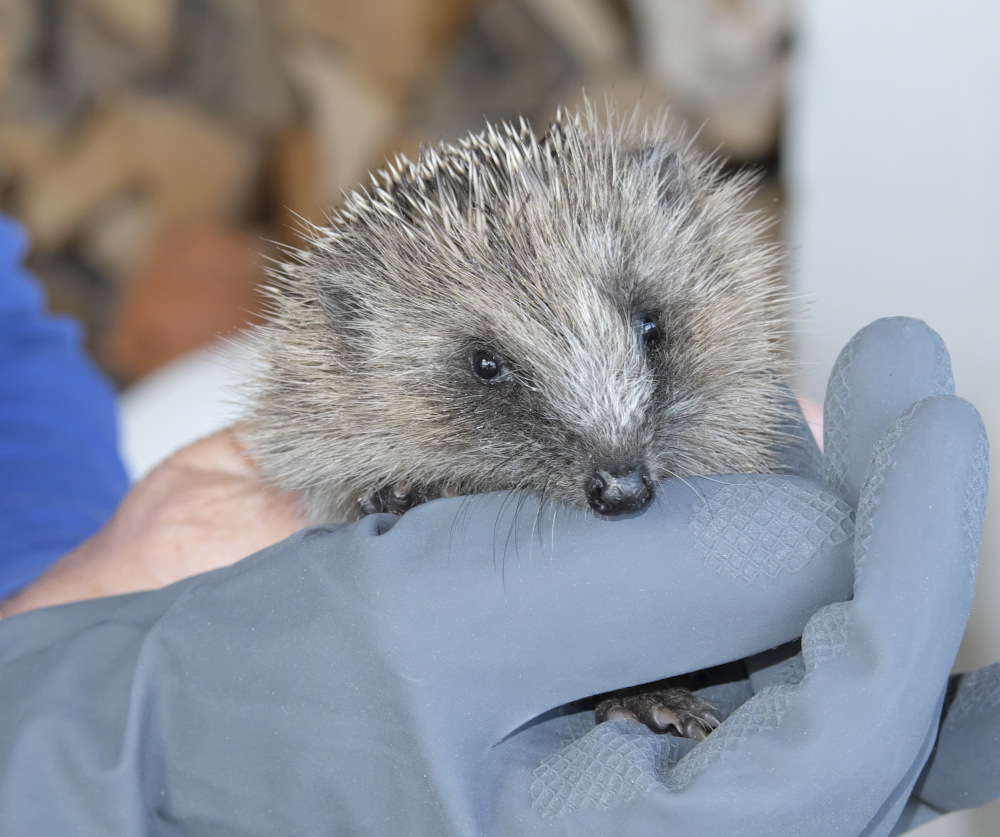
pixel 186 400
pixel 894 183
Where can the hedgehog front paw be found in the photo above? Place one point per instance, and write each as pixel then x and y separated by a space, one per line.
pixel 396 498
pixel 675 710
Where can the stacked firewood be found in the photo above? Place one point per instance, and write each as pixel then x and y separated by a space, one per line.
pixel 153 147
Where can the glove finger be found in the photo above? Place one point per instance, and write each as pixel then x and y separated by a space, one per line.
pixel 964 770
pixel 717 569
pixel 843 739
pixel 875 667
pixel 886 367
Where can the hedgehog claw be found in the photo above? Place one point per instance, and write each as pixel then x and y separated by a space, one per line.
pixel 673 710
pixel 620 713
pixel 395 498
pixel 694 729
pixel 664 718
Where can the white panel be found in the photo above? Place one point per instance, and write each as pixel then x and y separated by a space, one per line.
pixel 893 170
pixel 186 400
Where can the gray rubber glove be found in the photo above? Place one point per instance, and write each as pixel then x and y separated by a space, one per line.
pixel 964 769
pixel 834 740
pixel 383 678
pixel 357 681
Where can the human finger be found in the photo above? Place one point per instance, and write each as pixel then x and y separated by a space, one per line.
pixel 798 453
pixel 201 509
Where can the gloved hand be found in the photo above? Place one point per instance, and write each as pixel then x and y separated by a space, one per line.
pixel 835 738
pixel 388 677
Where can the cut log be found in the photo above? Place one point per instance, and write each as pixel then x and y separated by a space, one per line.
pixel 18 33
pixel 196 284
pixel 192 167
pixel 148 24
pixel 295 184
pixel 91 62
pixel 229 57
pixel 90 169
pixel 588 29
pixel 25 146
pixel 118 238
pixel 724 64
pixel 394 42
pixel 352 120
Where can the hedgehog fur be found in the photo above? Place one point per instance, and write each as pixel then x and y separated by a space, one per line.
pixel 548 258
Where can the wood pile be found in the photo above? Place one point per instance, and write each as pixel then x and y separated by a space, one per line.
pixel 140 139
pixel 723 64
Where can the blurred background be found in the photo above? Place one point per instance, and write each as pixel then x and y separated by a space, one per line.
pixel 161 151
pixel 155 149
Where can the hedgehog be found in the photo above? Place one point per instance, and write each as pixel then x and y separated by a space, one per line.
pixel 579 315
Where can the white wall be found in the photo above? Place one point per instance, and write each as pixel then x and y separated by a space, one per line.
pixel 893 171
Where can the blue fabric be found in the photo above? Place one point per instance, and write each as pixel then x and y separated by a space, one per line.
pixel 60 473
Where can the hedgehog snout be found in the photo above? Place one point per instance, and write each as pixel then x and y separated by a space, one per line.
pixel 620 491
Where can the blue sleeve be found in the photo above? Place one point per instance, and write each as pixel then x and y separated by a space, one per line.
pixel 60 473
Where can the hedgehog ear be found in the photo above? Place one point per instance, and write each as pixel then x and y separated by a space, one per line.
pixel 341 305
pixel 345 311
pixel 664 165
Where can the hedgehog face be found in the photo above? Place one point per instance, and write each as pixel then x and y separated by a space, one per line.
pixel 584 407
pixel 577 316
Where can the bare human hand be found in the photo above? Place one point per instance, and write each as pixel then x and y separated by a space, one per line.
pixel 201 509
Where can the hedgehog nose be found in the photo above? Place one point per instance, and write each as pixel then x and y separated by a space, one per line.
pixel 625 490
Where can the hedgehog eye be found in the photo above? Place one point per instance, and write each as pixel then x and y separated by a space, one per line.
pixel 489 367
pixel 649 331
